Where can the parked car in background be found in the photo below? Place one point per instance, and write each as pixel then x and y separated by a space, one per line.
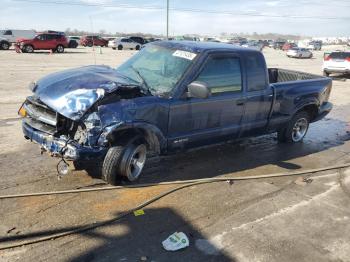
pixel 93 40
pixel 336 62
pixel 12 35
pixel 298 52
pixel 73 41
pixel 4 44
pixel 315 45
pixel 254 45
pixel 288 46
pixel 124 43
pixel 171 96
pixel 278 45
pixel 44 41
pixel 138 39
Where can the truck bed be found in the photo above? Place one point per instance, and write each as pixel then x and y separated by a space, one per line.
pixel 277 75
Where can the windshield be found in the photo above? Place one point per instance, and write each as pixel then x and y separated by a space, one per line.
pixel 156 68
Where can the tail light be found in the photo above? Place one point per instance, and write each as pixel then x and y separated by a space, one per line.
pixel 327 58
pixel 348 59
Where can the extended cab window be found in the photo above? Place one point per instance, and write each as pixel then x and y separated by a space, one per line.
pixel 222 74
pixel 8 32
pixel 256 73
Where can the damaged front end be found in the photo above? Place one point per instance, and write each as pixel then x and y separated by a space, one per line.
pixel 57 134
pixel 62 114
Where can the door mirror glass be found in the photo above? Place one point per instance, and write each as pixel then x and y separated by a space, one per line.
pixel 199 89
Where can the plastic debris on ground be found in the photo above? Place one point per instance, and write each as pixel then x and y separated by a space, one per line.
pixel 176 241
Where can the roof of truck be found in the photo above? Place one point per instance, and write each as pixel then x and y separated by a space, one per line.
pixel 197 47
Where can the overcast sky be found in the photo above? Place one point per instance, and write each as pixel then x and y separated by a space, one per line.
pixel 40 16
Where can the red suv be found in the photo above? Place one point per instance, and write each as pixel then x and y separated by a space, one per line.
pixel 44 41
pixel 288 46
pixel 93 40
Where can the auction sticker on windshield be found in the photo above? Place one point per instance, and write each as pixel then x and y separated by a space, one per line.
pixel 184 54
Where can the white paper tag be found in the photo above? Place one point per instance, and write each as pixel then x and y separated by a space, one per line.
pixel 184 54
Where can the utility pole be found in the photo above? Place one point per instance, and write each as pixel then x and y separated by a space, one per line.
pixel 167 19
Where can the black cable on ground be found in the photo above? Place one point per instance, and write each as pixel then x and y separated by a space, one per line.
pixel 216 179
pixel 146 203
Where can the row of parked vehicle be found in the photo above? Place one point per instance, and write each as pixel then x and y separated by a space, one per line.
pixel 27 41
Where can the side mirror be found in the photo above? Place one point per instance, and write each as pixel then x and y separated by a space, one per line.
pixel 198 89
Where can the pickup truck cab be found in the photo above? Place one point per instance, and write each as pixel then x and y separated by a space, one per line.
pixel 169 97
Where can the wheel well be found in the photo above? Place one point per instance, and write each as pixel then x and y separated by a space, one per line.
pixel 312 110
pixel 121 137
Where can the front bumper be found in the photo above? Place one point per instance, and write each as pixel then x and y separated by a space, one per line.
pixel 69 150
pixel 324 109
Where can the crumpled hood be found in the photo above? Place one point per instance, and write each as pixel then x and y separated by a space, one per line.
pixel 72 92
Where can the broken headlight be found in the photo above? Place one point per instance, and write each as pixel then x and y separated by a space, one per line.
pixel 90 131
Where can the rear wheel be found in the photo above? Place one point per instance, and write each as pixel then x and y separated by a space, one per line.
pixel 124 161
pixel 120 47
pixel 296 129
pixel 5 45
pixel 60 49
pixel 137 47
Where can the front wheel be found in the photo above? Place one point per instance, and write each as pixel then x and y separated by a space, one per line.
pixel 28 49
pixel 325 73
pixel 296 129
pixel 124 161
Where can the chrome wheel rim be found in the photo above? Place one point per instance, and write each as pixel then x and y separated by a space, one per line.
pixel 5 46
pixel 60 49
pixel 300 129
pixel 136 162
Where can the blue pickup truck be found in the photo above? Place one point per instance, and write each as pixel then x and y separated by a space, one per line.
pixel 169 97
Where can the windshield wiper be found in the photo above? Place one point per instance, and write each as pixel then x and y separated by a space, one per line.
pixel 144 84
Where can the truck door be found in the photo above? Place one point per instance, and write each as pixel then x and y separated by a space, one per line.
pixel 196 122
pixel 258 95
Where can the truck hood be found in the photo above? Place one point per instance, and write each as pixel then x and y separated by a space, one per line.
pixel 73 92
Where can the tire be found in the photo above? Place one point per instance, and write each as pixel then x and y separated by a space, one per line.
pixel 120 47
pixel 124 161
pixel 28 49
pixel 296 129
pixel 4 45
pixel 114 48
pixel 89 44
pixel 72 44
pixel 326 73
pixel 137 47
pixel 60 49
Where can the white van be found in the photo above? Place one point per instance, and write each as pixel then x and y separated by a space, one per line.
pixel 13 35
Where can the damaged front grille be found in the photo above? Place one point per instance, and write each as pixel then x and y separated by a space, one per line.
pixel 41 117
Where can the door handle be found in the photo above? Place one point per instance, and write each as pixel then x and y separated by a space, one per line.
pixel 240 102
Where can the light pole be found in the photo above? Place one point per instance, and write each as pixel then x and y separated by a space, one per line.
pixel 167 19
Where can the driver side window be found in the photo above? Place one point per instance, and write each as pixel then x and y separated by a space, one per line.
pixel 222 75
